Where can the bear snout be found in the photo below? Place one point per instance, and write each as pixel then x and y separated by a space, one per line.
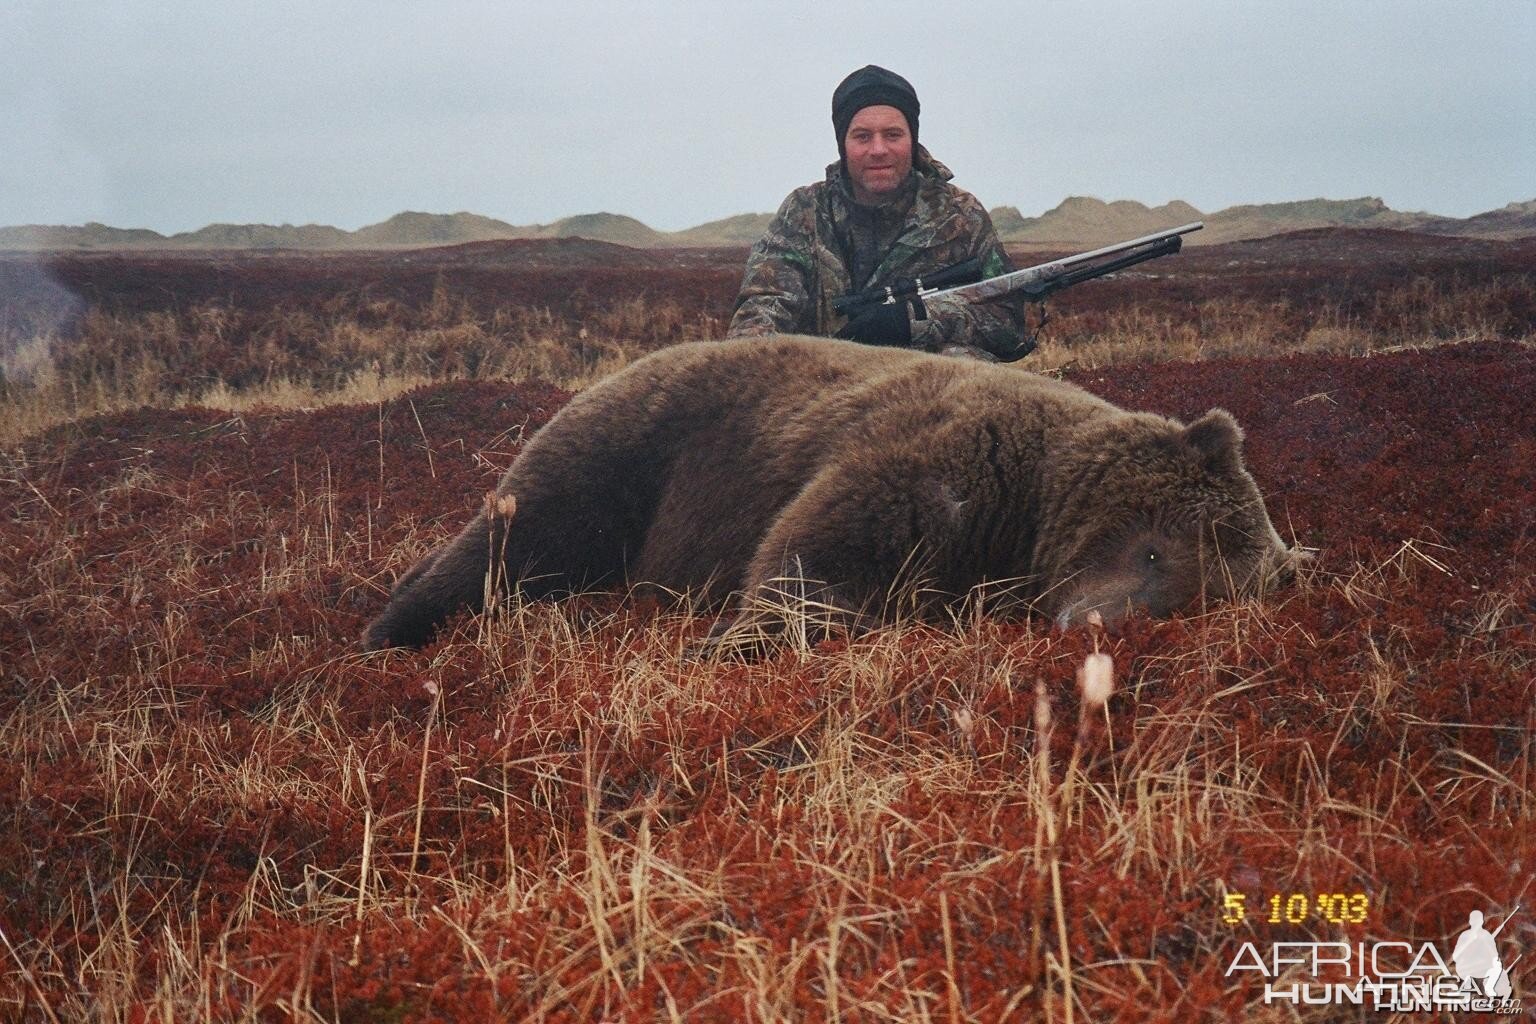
pixel 1144 570
pixel 1114 600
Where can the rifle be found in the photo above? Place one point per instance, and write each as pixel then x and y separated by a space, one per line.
pixel 1035 283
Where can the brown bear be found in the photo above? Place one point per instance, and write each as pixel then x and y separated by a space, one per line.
pixel 799 473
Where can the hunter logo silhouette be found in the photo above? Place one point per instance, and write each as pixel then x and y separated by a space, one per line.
pixel 1476 958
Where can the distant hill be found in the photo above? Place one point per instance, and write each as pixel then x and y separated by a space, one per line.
pixel 88 236
pixel 1238 222
pixel 1078 222
pixel 1085 221
pixel 742 229
pixel 262 236
pixel 1513 221
pixel 416 229
pixel 606 227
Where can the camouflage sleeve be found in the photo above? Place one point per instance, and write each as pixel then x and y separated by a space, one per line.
pixel 775 293
pixel 995 328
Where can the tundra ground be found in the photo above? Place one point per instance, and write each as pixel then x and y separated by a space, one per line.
pixel 217 808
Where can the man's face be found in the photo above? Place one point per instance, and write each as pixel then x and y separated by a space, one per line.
pixel 879 150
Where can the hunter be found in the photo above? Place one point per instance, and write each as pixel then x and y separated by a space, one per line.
pixel 885 212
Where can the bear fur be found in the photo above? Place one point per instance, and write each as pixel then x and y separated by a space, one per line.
pixel 794 473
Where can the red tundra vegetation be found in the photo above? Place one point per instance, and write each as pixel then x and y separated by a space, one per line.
pixel 217 808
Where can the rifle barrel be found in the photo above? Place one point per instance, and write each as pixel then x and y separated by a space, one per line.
pixel 1044 273
pixel 1110 250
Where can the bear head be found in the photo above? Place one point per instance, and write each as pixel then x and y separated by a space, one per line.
pixel 1141 513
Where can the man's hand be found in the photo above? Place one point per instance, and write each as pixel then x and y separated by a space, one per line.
pixel 889 323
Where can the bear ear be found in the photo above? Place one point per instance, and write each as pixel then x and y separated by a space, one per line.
pixel 1218 439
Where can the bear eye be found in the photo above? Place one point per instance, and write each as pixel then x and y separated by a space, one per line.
pixel 1151 556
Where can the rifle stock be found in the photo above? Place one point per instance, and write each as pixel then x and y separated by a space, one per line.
pixel 857 302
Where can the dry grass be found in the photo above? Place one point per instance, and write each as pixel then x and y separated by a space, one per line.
pixel 641 914
pixel 220 358
pixel 355 347
pixel 1407 316
pixel 216 809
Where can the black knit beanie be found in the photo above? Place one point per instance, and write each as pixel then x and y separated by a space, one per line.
pixel 872 86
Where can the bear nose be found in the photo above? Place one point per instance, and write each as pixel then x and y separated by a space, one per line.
pixel 1080 612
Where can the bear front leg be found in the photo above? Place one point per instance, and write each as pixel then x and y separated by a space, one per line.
pixel 840 556
pixel 790 606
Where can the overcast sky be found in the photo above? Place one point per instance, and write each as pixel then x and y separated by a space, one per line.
pixel 172 115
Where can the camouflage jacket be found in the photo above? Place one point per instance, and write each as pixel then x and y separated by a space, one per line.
pixel 821 241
